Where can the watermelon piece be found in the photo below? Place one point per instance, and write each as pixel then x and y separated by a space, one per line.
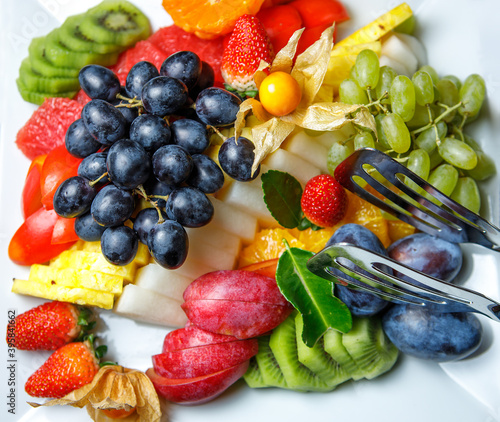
pixel 81 97
pixel 171 39
pixel 46 128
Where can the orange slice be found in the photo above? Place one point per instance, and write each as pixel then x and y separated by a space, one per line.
pixel 209 18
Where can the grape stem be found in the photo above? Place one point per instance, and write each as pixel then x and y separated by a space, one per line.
pixel 377 103
pixel 448 110
pixel 132 102
pixel 94 182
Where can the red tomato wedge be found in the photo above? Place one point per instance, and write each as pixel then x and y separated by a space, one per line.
pixel 31 197
pixel 311 35
pixel 64 231
pixel 320 12
pixel 32 242
pixel 280 23
pixel 58 166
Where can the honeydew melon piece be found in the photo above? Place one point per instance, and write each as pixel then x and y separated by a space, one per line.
pixel 93 261
pixel 415 45
pixel 76 295
pixel 150 306
pixel 304 146
pixel 397 50
pixel 206 254
pixel 250 199
pixel 285 161
pixel 399 67
pixel 193 269
pixel 214 236
pixel 233 220
pixel 71 277
pixel 163 281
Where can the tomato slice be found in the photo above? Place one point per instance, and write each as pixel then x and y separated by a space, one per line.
pixel 311 35
pixel 320 12
pixel 58 166
pixel 64 231
pixel 31 198
pixel 32 242
pixel 280 23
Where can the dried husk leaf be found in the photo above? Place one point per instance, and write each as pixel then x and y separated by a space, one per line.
pixel 249 105
pixel 283 61
pixel 115 387
pixel 331 116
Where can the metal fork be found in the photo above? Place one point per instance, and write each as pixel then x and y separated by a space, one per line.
pixel 434 213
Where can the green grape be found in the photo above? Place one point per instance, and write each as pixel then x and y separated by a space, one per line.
pixel 472 95
pixel 472 142
pixel 424 88
pixel 403 97
pixel 457 153
pixel 386 76
pixel 396 132
pixel 454 79
pixel 448 95
pixel 435 158
pixel 444 178
pixel 364 140
pixel 419 163
pixel 407 26
pixel 466 193
pixel 432 73
pixel 382 139
pixel 338 152
pixel 485 167
pixel 351 93
pixel 421 117
pixel 366 69
pixel 428 138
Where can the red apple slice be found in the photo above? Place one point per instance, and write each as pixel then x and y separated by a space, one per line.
pixel 192 336
pixel 236 318
pixel 204 360
pixel 197 390
pixel 245 286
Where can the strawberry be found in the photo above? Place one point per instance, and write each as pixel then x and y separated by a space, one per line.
pixel 324 201
pixel 247 46
pixel 48 326
pixel 67 369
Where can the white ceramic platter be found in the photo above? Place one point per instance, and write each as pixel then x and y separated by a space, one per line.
pixel 461 37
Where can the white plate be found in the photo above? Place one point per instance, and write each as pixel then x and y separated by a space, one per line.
pixel 461 38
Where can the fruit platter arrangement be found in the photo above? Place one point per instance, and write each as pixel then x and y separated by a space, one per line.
pixel 175 167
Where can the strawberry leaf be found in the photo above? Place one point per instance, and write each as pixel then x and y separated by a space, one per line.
pixel 311 295
pixel 282 193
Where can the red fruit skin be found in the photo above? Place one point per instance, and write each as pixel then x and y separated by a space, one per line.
pixel 67 369
pixel 47 127
pixel 324 201
pixel 280 23
pixel 31 197
pixel 311 35
pixel 64 231
pixel 235 285
pixel 49 326
pixel 320 12
pixel 199 390
pixel 192 336
pixel 235 318
pixel 204 360
pixel 267 268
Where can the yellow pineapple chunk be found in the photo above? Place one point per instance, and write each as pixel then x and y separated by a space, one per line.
pixel 142 257
pixel 76 295
pixel 71 277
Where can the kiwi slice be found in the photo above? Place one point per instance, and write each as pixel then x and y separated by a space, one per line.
pixel 115 22
pixel 283 344
pixel 253 375
pixel 59 55
pixel 317 360
pixel 370 348
pixel 74 40
pixel 42 66
pixel 35 82
pixel 36 97
pixel 332 342
pixel 269 367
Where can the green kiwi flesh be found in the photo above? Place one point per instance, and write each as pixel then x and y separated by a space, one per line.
pixel 42 66
pixel 39 97
pixel 332 342
pixel 253 375
pixel 33 81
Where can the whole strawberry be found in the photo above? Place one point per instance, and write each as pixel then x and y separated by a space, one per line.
pixel 67 369
pixel 48 326
pixel 247 46
pixel 324 201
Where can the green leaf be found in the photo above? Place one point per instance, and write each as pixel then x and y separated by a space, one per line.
pixel 282 193
pixel 311 295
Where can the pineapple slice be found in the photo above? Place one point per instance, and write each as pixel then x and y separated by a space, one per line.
pixel 76 295
pixel 71 277
pixel 142 257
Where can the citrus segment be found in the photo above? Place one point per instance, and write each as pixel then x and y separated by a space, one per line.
pixel 209 18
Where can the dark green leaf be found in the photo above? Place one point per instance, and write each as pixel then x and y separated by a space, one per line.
pixel 282 193
pixel 311 295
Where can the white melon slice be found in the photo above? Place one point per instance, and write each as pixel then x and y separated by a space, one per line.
pixel 397 50
pixel 416 46
pixel 163 281
pixel 397 66
pixel 206 254
pixel 193 269
pixel 233 220
pixel 216 237
pixel 286 161
pixel 304 146
pixel 327 139
pixel 149 306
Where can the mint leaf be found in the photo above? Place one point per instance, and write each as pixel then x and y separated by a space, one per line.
pixel 282 193
pixel 311 295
